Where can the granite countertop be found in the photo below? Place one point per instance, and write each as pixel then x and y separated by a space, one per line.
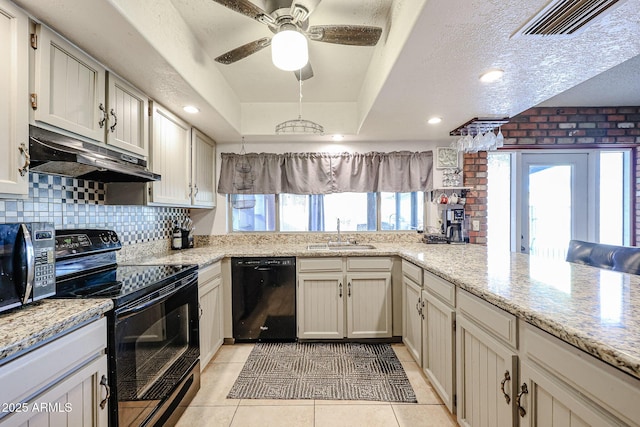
pixel 24 328
pixel 595 310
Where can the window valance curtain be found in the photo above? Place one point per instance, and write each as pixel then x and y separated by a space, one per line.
pixel 325 173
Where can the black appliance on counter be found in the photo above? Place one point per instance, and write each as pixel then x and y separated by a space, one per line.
pixel 264 299
pixel 26 263
pixel 153 331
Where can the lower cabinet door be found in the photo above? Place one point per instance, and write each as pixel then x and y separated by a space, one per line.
pixel 486 377
pixel 412 318
pixel 81 399
pixel 321 305
pixel 211 332
pixel 438 355
pixel 369 305
pixel 544 400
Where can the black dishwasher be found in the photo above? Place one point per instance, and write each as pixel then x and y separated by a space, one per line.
pixel 263 299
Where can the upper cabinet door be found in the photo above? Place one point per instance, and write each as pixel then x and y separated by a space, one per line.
pixel 69 87
pixel 171 158
pixel 14 90
pixel 128 117
pixel 203 174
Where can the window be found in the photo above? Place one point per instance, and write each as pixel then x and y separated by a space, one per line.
pixel 603 198
pixel 401 211
pixel 253 212
pixel 300 213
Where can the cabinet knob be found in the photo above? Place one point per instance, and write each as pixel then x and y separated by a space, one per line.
pixel 104 382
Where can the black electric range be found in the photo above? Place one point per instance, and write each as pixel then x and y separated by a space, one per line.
pixel 153 342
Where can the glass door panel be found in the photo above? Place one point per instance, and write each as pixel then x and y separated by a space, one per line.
pixel 554 203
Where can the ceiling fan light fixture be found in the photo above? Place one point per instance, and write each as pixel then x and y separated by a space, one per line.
pixel 289 48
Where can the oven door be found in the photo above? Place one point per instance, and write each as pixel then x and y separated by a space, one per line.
pixel 156 348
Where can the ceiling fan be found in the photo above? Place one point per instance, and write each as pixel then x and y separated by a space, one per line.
pixel 293 15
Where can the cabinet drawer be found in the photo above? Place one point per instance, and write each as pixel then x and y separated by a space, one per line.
pixel 412 271
pixel 319 264
pixel 369 264
pixel 444 290
pixel 207 273
pixel 495 320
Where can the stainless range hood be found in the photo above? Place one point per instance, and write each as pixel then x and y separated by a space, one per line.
pixel 58 154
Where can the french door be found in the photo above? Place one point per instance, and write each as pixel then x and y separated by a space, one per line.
pixel 554 202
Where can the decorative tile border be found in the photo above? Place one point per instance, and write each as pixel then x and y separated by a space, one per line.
pixel 78 203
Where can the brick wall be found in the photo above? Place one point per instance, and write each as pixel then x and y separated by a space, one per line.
pixel 566 127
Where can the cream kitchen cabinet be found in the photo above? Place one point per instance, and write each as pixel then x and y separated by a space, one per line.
pixel 333 289
pixel 412 310
pixel 438 336
pixel 171 158
pixel 127 122
pixel 562 386
pixel 14 90
pixel 203 170
pixel 211 312
pixel 486 368
pixel 69 90
pixel 75 93
pixel 63 383
pixel 185 159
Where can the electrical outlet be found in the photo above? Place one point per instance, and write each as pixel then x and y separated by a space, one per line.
pixel 475 225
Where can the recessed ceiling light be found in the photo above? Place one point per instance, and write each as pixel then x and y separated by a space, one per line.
pixel 191 109
pixel 491 76
pixel 337 137
pixel 434 120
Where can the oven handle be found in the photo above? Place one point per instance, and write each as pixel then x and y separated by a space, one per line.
pixel 128 311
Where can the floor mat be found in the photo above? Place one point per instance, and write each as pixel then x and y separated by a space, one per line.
pixel 324 371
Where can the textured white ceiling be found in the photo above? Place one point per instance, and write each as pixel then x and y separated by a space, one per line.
pixel 427 63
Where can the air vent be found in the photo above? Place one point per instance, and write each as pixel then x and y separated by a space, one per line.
pixel 566 17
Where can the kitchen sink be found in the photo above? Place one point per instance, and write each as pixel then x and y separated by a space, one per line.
pixel 337 246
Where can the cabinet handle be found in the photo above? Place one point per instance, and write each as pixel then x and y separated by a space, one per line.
pixel 506 378
pixel 27 159
pixel 523 390
pixel 349 289
pixel 340 288
pixel 103 382
pixel 115 120
pixel 104 115
pixel 196 192
pixel 200 311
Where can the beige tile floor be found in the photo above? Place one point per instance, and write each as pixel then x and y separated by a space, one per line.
pixel 210 407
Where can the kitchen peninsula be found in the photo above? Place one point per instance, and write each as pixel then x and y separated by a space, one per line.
pixel 596 311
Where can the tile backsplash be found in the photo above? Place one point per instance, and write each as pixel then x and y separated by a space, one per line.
pixel 78 203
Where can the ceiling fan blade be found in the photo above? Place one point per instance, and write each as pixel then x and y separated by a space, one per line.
pixel 305 73
pixel 353 35
pixel 243 51
pixel 244 7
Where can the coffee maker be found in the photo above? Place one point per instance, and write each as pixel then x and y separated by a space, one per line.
pixel 453 225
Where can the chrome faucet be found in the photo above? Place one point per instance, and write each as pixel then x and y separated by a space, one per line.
pixel 339 238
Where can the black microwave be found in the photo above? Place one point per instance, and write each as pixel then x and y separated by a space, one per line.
pixel 27 263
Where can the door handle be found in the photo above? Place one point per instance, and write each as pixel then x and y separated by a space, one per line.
pixel 506 378
pixel 115 121
pixel 104 382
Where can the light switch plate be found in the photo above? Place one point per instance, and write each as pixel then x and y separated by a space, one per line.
pixel 475 225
